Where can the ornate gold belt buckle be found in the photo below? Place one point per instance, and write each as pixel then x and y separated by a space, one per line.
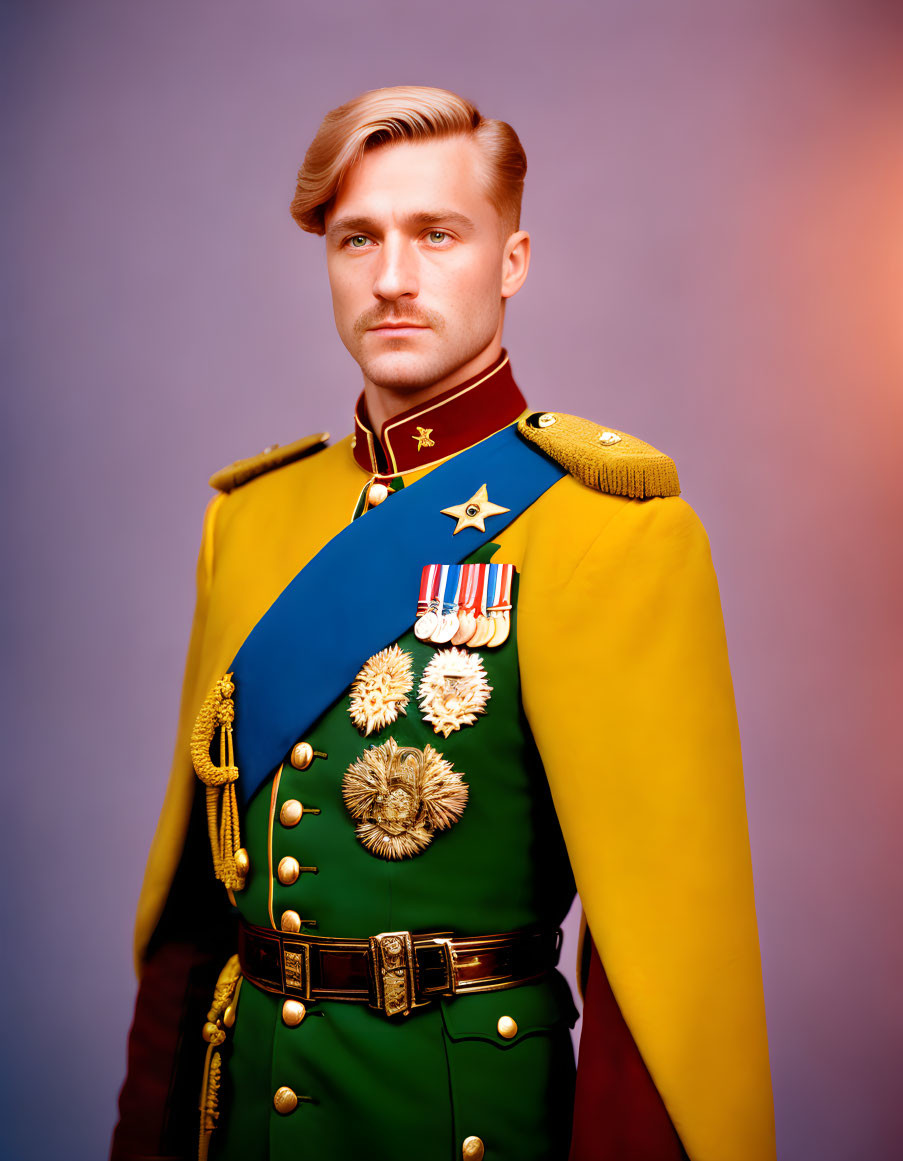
pixel 392 964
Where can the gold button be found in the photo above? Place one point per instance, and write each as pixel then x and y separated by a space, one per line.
pixel 544 421
pixel 377 494
pixel 472 1149
pixel 302 755
pixel 285 1101
pixel 291 812
pixel 288 871
pixel 507 1027
pixel 290 921
pixel 229 1016
pixel 609 438
pixel 242 862
pixel 293 1012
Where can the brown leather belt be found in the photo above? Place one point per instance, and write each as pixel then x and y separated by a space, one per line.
pixel 397 970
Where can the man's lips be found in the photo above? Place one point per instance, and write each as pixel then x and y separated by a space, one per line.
pixel 398 326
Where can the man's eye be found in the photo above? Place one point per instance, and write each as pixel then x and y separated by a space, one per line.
pixel 437 235
pixel 357 241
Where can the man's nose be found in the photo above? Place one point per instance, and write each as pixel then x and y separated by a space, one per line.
pixel 396 270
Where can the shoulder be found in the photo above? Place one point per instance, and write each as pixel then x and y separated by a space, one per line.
pixel 618 507
pixel 278 455
pixel 602 458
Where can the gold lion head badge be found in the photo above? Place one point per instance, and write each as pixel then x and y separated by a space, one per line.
pixel 402 796
pixel 453 690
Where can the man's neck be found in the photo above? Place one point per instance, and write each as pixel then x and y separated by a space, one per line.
pixel 384 403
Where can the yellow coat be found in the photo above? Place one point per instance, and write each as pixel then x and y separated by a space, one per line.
pixel 627 690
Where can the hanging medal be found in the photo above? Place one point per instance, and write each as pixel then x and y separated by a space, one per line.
pixel 477 607
pixel 448 600
pixel 428 602
pixel 485 626
pixel 467 618
pixel 500 608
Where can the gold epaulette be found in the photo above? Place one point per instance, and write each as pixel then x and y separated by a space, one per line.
pixel 227 479
pixel 602 458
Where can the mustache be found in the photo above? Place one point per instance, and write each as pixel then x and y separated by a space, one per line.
pixel 390 313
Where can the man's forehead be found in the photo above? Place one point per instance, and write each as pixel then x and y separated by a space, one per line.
pixel 410 179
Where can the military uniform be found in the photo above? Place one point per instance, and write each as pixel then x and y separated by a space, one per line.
pixel 402 818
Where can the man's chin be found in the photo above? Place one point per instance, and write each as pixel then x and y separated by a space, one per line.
pixel 404 370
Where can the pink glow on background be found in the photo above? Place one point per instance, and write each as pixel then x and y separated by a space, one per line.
pixel 716 198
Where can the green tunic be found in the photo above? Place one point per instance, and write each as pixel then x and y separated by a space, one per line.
pixel 414 1086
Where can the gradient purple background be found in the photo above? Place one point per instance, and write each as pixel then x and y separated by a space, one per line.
pixel 716 198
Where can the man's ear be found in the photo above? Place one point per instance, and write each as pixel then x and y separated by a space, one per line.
pixel 515 262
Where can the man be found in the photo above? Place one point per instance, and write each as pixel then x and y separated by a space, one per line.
pixel 439 672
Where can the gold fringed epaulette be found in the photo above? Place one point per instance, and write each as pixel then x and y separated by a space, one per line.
pixel 602 458
pixel 227 479
pixel 230 859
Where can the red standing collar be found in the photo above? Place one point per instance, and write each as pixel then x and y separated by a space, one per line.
pixel 453 421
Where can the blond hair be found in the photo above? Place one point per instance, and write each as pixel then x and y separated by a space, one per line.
pixel 405 113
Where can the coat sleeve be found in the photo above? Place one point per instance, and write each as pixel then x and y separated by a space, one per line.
pixel 184 934
pixel 181 790
pixel 628 691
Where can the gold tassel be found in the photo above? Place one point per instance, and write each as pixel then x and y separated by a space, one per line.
pixel 224 993
pixel 220 1017
pixel 230 860
pixel 209 1100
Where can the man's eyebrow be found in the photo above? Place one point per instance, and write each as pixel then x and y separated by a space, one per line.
pixel 421 218
pixel 447 217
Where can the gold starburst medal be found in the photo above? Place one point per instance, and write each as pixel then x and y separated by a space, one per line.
pixel 453 690
pixel 402 796
pixel 379 692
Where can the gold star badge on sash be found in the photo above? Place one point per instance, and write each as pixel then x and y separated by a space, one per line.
pixel 473 512
pixel 423 438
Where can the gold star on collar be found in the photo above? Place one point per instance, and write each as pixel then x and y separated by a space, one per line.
pixel 423 438
pixel 473 512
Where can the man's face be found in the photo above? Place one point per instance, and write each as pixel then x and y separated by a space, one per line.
pixel 412 238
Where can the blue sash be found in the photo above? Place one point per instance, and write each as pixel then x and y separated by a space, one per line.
pixel 309 645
